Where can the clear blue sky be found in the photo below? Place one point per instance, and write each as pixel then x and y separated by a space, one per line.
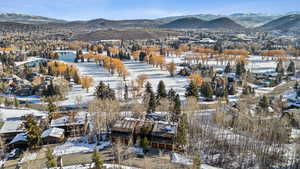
pixel 138 9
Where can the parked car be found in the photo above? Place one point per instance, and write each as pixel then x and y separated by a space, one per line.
pixel 15 153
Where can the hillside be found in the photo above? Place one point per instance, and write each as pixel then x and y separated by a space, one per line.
pixel 222 23
pixel 193 23
pixel 290 22
pixel 130 34
pixel 111 24
pixel 244 19
pixel 184 23
pixel 27 19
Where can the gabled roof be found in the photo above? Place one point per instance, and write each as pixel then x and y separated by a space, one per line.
pixel 53 132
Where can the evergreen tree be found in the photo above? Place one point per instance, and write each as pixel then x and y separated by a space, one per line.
pixel 126 92
pixel 207 91
pixel 176 112
pixel 151 104
pixel 192 91
pixel 161 90
pixel 52 108
pixel 33 132
pixel 104 92
pixel 231 90
pixel 240 68
pixel 291 68
pixel 51 161
pixel 279 67
pixel 264 103
pixel 171 95
pixel 181 135
pixel 148 89
pixel 228 68
pixel 97 160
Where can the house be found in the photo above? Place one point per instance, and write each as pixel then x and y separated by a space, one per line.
pixel 53 135
pixel 125 130
pixel 73 123
pixel 161 134
pixel 19 141
pixel 11 128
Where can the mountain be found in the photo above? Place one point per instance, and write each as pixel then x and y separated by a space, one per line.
pixel 245 19
pixel 222 23
pixel 128 34
pixel 27 19
pixel 193 23
pixel 289 23
pixel 111 24
pixel 184 23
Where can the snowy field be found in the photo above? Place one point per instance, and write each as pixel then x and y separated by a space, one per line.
pixel 78 145
pixel 115 82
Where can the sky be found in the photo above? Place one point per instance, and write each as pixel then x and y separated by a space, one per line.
pixel 142 9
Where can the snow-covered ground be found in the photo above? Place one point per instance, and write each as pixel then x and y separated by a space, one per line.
pixel 134 68
pixel 78 145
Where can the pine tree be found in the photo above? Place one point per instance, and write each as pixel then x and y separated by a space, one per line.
pixel 291 68
pixel 126 92
pixel 161 90
pixel 104 92
pixel 228 68
pixel 181 135
pixel 264 103
pixel 51 161
pixel 240 68
pixel 231 90
pixel 171 95
pixel 192 91
pixel 152 103
pixel 148 89
pixel 52 108
pixel 176 112
pixel 97 160
pixel 207 91
pixel 33 132
pixel 279 67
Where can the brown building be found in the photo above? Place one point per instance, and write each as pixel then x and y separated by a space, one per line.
pixel 161 134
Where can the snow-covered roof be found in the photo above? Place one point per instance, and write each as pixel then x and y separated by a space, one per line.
pixel 12 126
pixel 19 138
pixel 14 112
pixel 79 118
pixel 53 132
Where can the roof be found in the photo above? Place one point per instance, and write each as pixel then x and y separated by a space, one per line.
pixel 21 137
pixel 53 132
pixel 79 119
pixel 12 126
pixel 164 129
